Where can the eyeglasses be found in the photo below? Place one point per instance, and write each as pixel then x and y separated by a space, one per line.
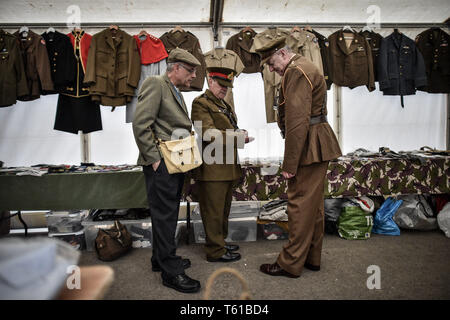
pixel 190 70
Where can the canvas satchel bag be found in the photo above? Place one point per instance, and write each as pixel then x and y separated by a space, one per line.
pixel 180 155
pixel 111 244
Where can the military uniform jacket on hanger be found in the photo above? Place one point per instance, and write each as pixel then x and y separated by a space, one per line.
pixel 189 42
pixel 307 45
pixel 271 79
pixel 36 64
pixel 62 60
pixel 401 68
pixel 433 44
pixel 13 82
pixel 324 45
pixel 353 66
pixel 216 114
pixel 113 67
pixel 80 43
pixel 241 43
pixel 374 40
pixel 220 57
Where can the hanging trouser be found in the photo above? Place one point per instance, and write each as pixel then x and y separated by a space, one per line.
pixel 215 204
pixel 164 194
pixel 306 218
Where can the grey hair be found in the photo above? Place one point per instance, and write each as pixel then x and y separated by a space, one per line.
pixel 170 66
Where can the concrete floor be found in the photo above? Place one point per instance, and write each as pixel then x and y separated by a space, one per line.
pixel 414 265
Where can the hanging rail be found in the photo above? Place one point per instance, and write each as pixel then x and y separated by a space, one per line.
pixel 221 24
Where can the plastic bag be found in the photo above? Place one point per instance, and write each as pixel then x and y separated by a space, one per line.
pixel 415 213
pixel 354 223
pixel 443 219
pixel 383 222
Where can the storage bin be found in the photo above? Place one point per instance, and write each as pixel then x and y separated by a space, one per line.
pixel 75 239
pixel 239 230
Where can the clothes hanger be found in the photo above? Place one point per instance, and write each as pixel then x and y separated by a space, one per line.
pixel 347 28
pixel 113 26
pixel 177 29
pixel 50 29
pixel 367 28
pixel 23 31
pixel 307 28
pixel 247 29
pixel 295 29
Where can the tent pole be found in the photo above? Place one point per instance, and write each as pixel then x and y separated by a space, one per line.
pixel 448 122
pixel 337 106
pixel 85 139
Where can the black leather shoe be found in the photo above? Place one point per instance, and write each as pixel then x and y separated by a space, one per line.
pixel 275 270
pixel 157 268
pixel 231 247
pixel 312 267
pixel 182 283
pixel 227 257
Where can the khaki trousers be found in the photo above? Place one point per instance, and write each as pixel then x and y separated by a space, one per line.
pixel 215 204
pixel 306 218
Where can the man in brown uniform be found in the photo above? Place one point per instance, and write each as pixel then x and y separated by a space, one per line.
pixel 309 145
pixel 219 172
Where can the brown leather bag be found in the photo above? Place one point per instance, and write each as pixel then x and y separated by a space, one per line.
pixel 111 244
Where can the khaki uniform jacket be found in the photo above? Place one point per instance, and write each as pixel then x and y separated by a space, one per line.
pixel 113 68
pixel 220 57
pixel 241 43
pixel 351 67
pixel 189 42
pixel 13 81
pixel 159 112
pixel 303 95
pixel 36 64
pixel 307 45
pixel 209 109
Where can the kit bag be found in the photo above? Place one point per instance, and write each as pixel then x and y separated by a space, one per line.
pixel 354 223
pixel 180 155
pixel 111 244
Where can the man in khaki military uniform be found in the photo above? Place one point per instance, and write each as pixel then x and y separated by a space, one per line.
pixel 309 145
pixel 217 175
pixel 159 112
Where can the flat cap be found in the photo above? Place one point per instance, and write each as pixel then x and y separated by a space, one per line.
pixel 224 76
pixel 269 47
pixel 181 55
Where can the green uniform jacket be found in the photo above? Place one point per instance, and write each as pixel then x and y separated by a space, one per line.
pixel 113 68
pixel 158 113
pixel 207 109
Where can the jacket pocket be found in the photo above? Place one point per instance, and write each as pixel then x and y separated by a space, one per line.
pixel 101 82
pixel 122 85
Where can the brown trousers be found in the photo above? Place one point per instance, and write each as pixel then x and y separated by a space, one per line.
pixel 306 218
pixel 215 204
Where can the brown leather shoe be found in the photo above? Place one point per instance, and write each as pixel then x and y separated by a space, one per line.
pixel 312 267
pixel 275 270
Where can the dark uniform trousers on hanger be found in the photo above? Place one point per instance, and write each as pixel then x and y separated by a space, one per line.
pixel 13 81
pixel 433 44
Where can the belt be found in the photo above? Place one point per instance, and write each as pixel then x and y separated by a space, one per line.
pixel 318 119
